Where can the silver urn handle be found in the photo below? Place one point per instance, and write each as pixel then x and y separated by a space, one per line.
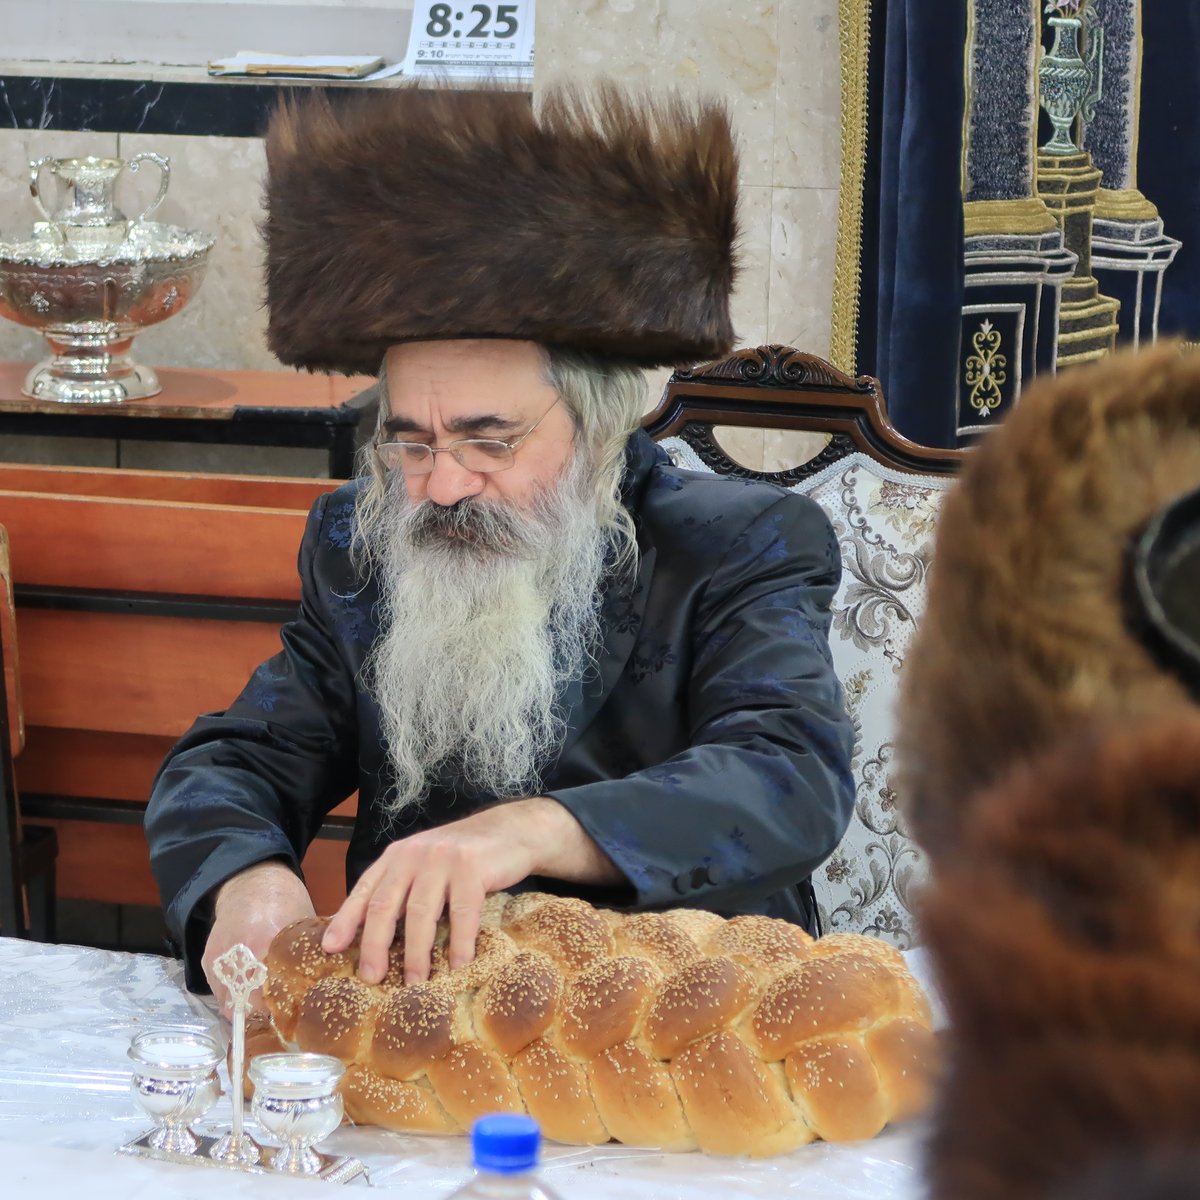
pixel 35 190
pixel 163 164
pixel 35 185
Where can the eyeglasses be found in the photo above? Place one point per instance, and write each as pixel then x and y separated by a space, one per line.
pixel 481 455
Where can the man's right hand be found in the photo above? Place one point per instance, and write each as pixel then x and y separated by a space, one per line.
pixel 252 908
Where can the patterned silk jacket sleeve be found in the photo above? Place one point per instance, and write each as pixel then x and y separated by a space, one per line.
pixel 708 754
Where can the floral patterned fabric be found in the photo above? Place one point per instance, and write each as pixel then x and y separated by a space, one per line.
pixel 884 521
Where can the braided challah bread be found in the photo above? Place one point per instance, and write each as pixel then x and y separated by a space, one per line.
pixel 675 1030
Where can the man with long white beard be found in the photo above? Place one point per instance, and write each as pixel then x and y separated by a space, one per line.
pixel 543 656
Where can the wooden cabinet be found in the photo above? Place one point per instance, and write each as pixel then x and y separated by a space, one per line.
pixel 143 599
pixel 209 407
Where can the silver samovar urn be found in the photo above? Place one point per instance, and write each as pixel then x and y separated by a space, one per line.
pixel 90 279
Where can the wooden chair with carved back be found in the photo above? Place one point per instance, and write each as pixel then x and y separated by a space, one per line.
pixel 29 851
pixel 882 493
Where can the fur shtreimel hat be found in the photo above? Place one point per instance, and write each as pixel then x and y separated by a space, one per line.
pixel 1027 633
pixel 1050 736
pixel 1063 933
pixel 600 221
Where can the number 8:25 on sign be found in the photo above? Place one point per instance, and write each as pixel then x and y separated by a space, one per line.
pixel 483 22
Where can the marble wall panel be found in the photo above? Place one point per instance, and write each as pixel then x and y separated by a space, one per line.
pixel 808 99
pixel 749 310
pixel 803 253
pixel 706 46
pixel 216 186
pixel 752 289
pixel 743 445
pixel 193 31
pixel 778 67
pixel 750 305
pixel 656 382
pixel 784 449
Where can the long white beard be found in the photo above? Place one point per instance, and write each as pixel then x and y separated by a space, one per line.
pixel 487 612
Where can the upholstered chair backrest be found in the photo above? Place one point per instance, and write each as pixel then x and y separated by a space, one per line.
pixel 882 493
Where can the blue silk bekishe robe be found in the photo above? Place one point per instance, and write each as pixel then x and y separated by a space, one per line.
pixel 709 756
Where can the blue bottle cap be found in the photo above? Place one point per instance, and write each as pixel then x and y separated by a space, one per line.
pixel 505 1142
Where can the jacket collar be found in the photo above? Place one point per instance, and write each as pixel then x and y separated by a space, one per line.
pixel 642 455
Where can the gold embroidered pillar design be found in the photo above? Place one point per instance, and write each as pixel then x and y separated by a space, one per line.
pixel 1014 260
pixel 1071 79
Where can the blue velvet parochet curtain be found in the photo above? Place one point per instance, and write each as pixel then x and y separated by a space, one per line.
pixel 912 242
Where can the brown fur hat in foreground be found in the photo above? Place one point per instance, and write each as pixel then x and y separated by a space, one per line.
pixel 599 221
pixel 1025 637
pixel 1066 931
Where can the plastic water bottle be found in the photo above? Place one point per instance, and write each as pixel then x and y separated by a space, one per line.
pixel 504 1150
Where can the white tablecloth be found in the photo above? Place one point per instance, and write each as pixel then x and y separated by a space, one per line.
pixel 67 1016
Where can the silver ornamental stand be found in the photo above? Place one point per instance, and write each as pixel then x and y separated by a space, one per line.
pixel 241 973
pixel 175 1082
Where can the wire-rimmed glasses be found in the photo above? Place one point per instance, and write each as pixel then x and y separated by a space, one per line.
pixel 483 456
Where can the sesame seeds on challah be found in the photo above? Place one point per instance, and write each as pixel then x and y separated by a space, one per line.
pixel 674 1030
